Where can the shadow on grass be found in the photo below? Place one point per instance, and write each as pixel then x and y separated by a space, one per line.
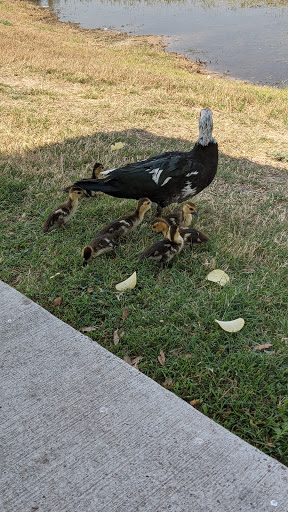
pixel 54 166
pixel 242 212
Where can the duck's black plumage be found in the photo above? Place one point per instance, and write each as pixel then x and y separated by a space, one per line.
pixel 170 177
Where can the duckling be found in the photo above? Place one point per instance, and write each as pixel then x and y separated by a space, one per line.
pixel 127 223
pixel 97 169
pixel 65 211
pixel 100 245
pixel 189 235
pixel 184 217
pixel 166 249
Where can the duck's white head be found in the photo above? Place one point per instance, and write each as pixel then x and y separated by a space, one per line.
pixel 205 127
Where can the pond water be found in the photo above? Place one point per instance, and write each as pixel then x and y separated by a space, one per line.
pixel 233 37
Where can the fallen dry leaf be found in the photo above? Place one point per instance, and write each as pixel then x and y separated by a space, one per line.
pixel 90 289
pixel 218 276
pixel 128 284
pixel 88 329
pixel 57 301
pixel 231 326
pixel 195 402
pixel 161 358
pixel 125 314
pixel 168 382
pixel 117 145
pixel 117 335
pixel 133 361
pixel 188 356
pixel 263 347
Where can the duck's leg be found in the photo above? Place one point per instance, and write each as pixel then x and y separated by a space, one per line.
pixel 159 210
pixel 61 223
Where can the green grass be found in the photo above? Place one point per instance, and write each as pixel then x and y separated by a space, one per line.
pixel 5 22
pixel 63 103
pixel 170 309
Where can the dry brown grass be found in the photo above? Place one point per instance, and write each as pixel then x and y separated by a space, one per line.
pixel 60 82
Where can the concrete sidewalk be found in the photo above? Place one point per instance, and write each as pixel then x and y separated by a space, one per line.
pixel 84 432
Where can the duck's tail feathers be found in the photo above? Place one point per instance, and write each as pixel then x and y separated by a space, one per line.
pixel 202 237
pixel 101 185
pixel 89 184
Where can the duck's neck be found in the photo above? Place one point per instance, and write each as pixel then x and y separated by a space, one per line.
pixel 140 214
pixel 205 138
pixel 73 202
pixel 205 131
pixel 186 218
pixel 177 238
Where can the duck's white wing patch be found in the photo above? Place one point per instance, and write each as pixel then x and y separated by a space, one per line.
pixel 166 181
pixel 156 173
pixel 188 191
pixel 103 173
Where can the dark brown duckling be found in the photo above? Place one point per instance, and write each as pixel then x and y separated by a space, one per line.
pixel 100 245
pixel 127 223
pixel 63 213
pixel 166 249
pixel 189 235
pixel 184 217
pixel 97 169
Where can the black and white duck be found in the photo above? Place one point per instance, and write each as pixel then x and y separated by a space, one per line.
pixel 63 213
pixel 189 235
pixel 171 177
pixel 164 250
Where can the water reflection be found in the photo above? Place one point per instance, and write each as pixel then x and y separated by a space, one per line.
pixel 244 39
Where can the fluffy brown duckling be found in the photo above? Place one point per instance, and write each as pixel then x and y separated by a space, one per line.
pixel 60 216
pixel 100 245
pixel 166 249
pixel 184 217
pixel 97 169
pixel 127 223
pixel 189 235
